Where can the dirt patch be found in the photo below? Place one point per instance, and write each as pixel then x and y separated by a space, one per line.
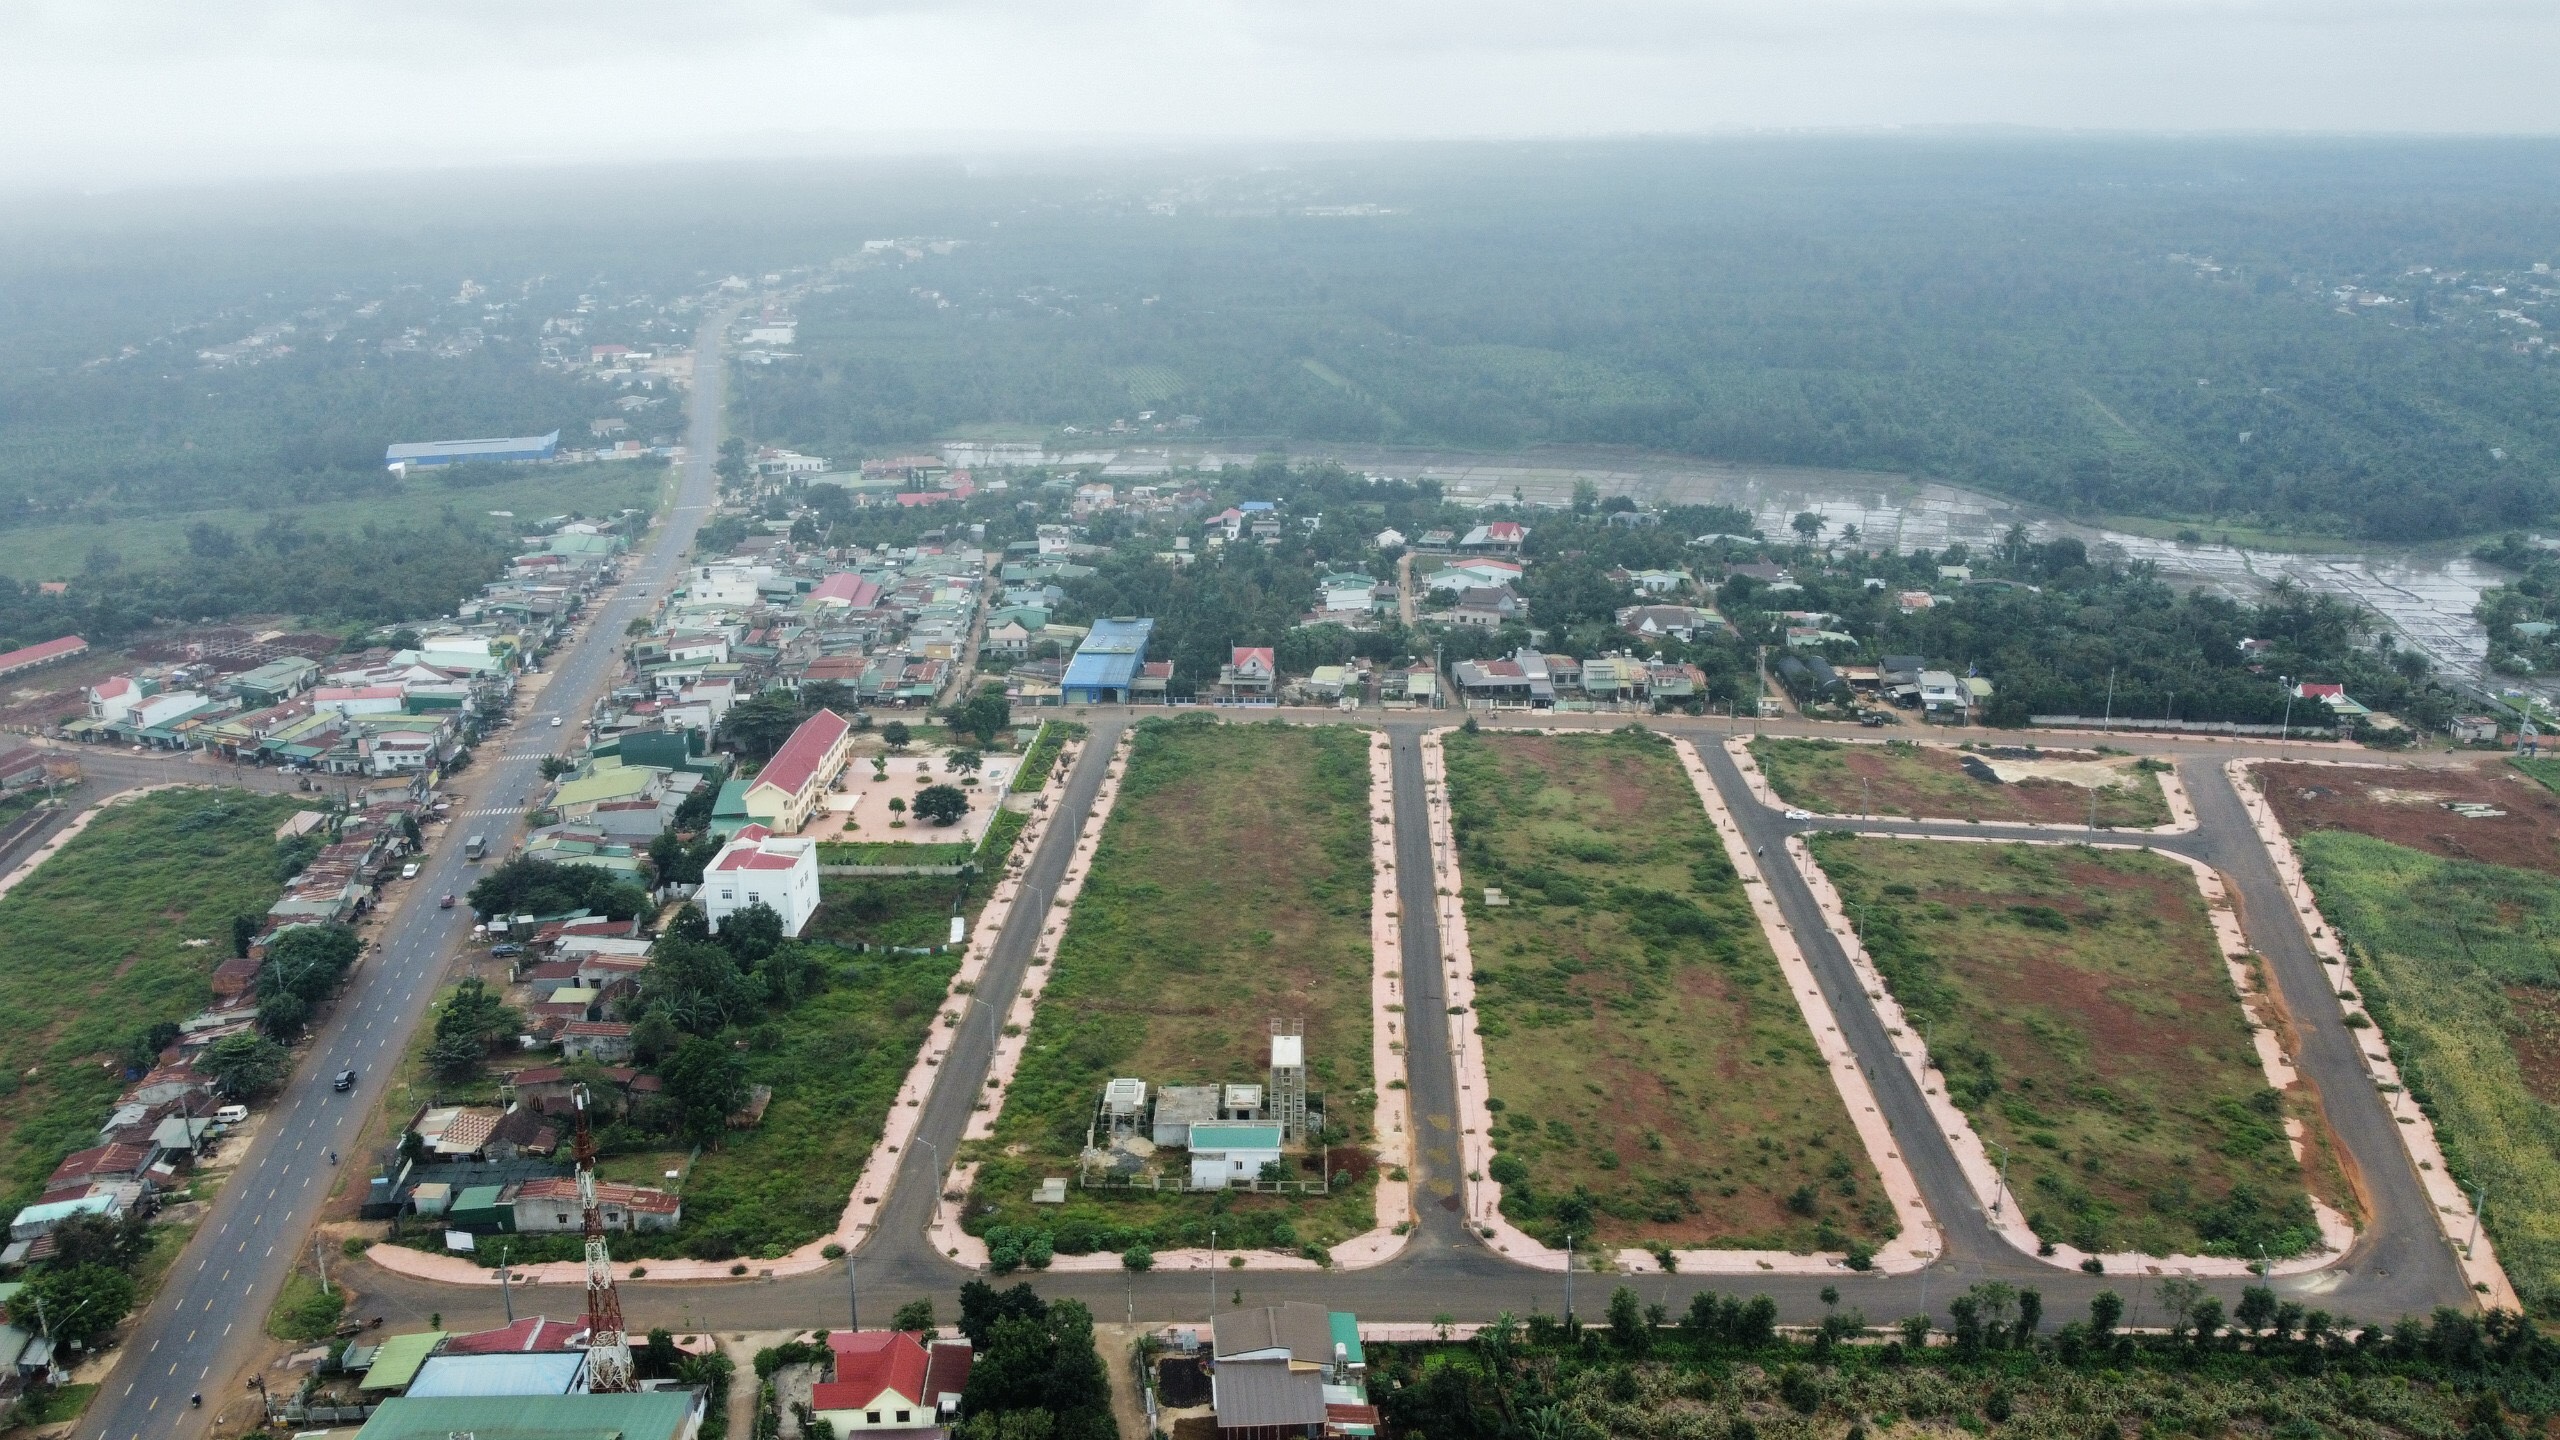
pixel 2535 1037
pixel 2412 806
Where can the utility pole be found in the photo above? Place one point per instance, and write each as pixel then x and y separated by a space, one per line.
pixel 2001 1196
pixel 1213 1277
pixel 2479 1205
pixel 506 1292
pixel 2109 723
pixel 2287 728
pixel 1568 1278
pixel 852 1295
pixel 320 1258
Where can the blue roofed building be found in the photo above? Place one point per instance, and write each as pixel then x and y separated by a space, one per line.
pixel 1106 665
pixel 462 452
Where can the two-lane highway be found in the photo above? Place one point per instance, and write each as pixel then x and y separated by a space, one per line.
pixel 205 1325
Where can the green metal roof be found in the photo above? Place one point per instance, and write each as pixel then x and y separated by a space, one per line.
pixel 1346 1333
pixel 648 1415
pixel 396 1364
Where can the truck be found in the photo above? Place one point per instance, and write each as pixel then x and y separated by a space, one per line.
pixel 476 847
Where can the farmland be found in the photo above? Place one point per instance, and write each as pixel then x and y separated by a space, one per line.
pixel 2080 1012
pixel 1652 1079
pixel 94 947
pixel 1231 887
pixel 2457 961
pixel 1933 782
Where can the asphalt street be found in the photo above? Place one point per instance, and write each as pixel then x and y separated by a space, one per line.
pixel 2401 1265
pixel 204 1327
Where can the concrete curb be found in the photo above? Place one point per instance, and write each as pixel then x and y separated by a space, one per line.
pixel 2182 813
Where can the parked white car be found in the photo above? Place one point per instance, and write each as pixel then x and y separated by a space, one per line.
pixel 409 871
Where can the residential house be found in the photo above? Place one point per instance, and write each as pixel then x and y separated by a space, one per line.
pixel 1682 622
pixel 1251 673
pixel 642 1415
pixel 1501 537
pixel 890 1380
pixel 551 1207
pixel 758 868
pixel 1105 668
pixel 1487 608
pixel 1224 1154
pixel 608 1041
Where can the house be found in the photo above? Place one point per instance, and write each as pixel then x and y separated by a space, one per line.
pixel 783 794
pixel 1487 608
pixel 1388 539
pixel 1682 622
pixel 758 868
pixel 19 661
pixel 1266 1400
pixel 1105 668
pixel 1250 673
pixel 605 1040
pixel 1944 695
pixel 891 1380
pixel 1223 1154
pixel 2475 729
pixel 1911 602
pixel 539 1335
pixel 111 701
pixel 1492 683
pixel 538 1373
pixel 1502 537
pixel 844 591
pixel 551 1207
pixel 1178 1108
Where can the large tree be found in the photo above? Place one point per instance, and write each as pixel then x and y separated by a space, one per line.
pixel 941 804
pixel 246 1065
pixel 706 1083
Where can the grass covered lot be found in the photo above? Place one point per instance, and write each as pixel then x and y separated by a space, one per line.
pixel 92 951
pixel 2458 961
pixel 1231 888
pixel 1652 1077
pixel 1930 781
pixel 2081 1016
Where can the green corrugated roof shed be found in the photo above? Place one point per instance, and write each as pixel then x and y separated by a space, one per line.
pixel 1346 1333
pixel 648 1415
pixel 397 1362
pixel 479 1206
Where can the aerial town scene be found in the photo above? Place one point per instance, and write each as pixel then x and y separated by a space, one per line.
pixel 1661 758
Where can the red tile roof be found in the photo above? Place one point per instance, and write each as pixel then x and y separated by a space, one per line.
pixel 38 654
pixel 948 1374
pixel 795 766
pixel 537 1335
pixel 852 589
pixel 99 1160
pixel 868 1362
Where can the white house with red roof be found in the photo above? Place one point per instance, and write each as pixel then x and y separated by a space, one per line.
pixel 757 867
pixel 785 792
pixel 888 1380
pixel 1503 537
pixel 1250 672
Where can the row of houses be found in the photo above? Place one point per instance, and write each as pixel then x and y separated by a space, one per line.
pixel 1530 679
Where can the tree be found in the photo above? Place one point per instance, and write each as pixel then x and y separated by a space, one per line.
pixel 2105 1309
pixel 555 766
pixel 751 934
pixel 246 1065
pixel 895 734
pixel 756 727
pixel 473 1019
pixel 984 714
pixel 707 1083
pixel 1808 526
pixel 78 1304
pixel 98 1240
pixel 914 1315
pixel 1627 1327
pixel 530 885
pixel 697 984
pixel 244 933
pixel 941 804
pixel 965 762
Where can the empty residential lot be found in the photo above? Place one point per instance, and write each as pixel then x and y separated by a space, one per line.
pixel 2078 1010
pixel 1230 889
pixel 1654 1078
pixel 1934 782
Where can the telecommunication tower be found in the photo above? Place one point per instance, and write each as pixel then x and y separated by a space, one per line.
pixel 608 1348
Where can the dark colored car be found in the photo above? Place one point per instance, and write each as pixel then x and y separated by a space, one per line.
pixel 346 1081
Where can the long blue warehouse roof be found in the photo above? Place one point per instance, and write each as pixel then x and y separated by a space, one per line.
pixel 454 452
pixel 1109 656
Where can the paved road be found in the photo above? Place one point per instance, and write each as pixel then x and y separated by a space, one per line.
pixel 205 1324
pixel 2401 1266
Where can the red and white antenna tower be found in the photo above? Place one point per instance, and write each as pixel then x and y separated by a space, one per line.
pixel 608 1348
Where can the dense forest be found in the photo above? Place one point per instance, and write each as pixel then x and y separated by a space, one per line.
pixel 2324 337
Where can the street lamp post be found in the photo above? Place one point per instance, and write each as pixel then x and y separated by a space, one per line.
pixel 2000 1197
pixel 2286 730
pixel 1213 1276
pixel 1568 1279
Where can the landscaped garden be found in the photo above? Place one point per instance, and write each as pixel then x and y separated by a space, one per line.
pixel 2458 961
pixel 1652 1078
pixel 1230 889
pixel 118 932
pixel 2014 784
pixel 2077 1007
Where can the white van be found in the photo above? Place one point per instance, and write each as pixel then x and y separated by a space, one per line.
pixel 230 1114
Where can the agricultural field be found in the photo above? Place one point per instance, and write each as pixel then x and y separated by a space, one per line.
pixel 2415 808
pixel 1231 888
pixel 1652 1079
pixel 2078 1007
pixel 2460 962
pixel 104 941
pixel 2014 784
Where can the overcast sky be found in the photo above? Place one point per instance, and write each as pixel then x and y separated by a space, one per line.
pixel 111 93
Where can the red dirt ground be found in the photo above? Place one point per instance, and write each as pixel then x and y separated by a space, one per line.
pixel 2406 806
pixel 1957 795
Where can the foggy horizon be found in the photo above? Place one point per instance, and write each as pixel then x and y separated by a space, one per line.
pixel 144 95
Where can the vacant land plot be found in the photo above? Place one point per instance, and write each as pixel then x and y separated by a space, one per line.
pixel 1231 888
pixel 1934 781
pixel 909 910
pixel 94 949
pixel 1652 1078
pixel 2415 807
pixel 2461 964
pixel 2081 1015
